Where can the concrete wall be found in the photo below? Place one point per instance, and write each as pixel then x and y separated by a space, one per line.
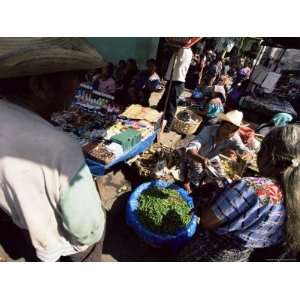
pixel 115 48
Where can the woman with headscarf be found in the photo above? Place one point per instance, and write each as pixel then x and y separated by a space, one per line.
pixel 279 119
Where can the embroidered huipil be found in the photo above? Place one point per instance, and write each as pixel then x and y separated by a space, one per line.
pixel 252 212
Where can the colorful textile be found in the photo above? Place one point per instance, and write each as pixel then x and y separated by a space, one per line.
pixel 282 119
pixel 213 109
pixel 252 212
pixel 196 171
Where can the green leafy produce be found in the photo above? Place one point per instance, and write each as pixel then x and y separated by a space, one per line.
pixel 163 210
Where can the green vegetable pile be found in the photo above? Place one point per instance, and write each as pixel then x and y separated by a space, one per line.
pixel 163 210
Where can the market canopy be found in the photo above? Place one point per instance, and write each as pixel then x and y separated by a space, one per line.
pixel 282 42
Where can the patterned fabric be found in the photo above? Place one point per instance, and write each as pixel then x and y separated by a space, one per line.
pixel 252 212
pixel 207 247
pixel 196 172
pixel 282 119
pixel 213 109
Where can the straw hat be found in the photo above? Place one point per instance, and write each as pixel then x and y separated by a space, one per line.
pixel 234 117
pixel 36 56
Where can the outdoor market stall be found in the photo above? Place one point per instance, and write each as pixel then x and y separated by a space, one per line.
pixel 275 90
pixel 269 106
pixel 106 135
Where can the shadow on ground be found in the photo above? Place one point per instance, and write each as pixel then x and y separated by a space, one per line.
pixel 15 246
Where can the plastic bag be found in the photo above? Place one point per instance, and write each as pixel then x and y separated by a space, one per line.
pixel 153 239
pixel 197 94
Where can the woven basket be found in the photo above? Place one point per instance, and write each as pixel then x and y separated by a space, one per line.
pixel 183 127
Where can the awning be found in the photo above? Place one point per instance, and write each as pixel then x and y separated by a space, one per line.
pixel 282 42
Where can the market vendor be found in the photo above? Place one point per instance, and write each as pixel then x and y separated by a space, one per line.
pixel 254 212
pixel 204 150
pixel 46 187
pixel 143 84
pixel 279 119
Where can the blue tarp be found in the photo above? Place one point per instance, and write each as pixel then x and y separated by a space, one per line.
pixel 154 239
pixel 98 169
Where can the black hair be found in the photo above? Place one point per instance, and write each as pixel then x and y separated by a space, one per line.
pixel 221 96
pixel 132 61
pixel 245 83
pixel 151 61
pixel 110 68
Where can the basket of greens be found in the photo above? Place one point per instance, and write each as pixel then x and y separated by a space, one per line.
pixel 161 214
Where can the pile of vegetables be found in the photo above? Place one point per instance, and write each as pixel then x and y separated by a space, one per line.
pixel 163 210
pixel 230 168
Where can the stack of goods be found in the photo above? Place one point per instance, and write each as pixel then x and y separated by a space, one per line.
pixel 127 139
pixel 94 121
pixel 138 112
pixel 83 125
pixel 163 210
pixel 159 162
pixel 98 152
pixel 288 87
pixel 269 106
pixel 144 128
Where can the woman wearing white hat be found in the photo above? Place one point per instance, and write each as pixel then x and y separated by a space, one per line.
pixel 211 141
pixel 46 187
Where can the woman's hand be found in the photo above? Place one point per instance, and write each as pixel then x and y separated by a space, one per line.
pixel 187 186
pixel 198 158
pixel 208 219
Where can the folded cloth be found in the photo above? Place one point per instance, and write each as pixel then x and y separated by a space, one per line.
pixel 282 119
pixel 116 149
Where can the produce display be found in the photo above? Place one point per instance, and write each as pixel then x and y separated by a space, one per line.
pixel 163 211
pixel 98 152
pixel 234 169
pixel 231 168
pixel 148 162
pixel 94 121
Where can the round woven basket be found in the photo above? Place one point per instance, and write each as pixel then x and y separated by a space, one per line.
pixel 183 127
